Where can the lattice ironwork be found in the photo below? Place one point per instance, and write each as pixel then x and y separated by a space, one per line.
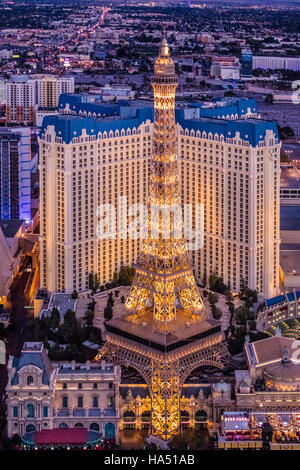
pixel 164 284
pixel 164 279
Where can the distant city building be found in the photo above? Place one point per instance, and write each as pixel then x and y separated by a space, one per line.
pixel 110 93
pixel 225 165
pixel 26 93
pixel 15 173
pixel 276 62
pixel 227 108
pixel 20 100
pixel 246 65
pixel 225 68
pixel 42 395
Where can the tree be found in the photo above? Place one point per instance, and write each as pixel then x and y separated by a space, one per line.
pixel 191 439
pixel 93 282
pixel 216 283
pixel 285 132
pixel 126 275
pixel 229 295
pixel 242 314
pixel 54 320
pixel 216 312
pixel 74 294
pixel 269 99
pixel 108 312
pixel 213 298
pixel 89 317
pixel 70 321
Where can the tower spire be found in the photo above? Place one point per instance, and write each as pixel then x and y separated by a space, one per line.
pixel 164 281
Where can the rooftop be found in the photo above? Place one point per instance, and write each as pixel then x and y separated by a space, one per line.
pixel 186 331
pixel 128 117
pixel 267 351
pixel 289 178
pixel 290 217
pixel 10 226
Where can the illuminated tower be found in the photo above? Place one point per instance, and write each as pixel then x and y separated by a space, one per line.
pixel 164 333
pixel 164 278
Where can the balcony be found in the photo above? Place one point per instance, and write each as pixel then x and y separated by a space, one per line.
pixel 63 412
pixel 79 412
pixel 94 412
pixel 109 412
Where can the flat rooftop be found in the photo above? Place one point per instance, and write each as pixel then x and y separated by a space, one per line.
pixel 290 218
pixel 290 178
pixel 186 331
pixel 290 260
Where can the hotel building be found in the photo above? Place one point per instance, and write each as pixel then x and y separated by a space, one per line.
pixel 26 93
pixel 15 173
pixel 43 395
pixel 231 167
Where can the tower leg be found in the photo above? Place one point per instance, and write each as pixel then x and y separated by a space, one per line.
pixel 165 399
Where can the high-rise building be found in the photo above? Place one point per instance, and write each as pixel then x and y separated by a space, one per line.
pixel 24 94
pixel 230 167
pixel 20 100
pixel 246 66
pixel 15 173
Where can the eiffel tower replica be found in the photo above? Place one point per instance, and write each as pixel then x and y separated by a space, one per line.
pixel 164 333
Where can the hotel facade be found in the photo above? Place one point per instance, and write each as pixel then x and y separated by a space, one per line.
pixel 43 395
pixel 230 168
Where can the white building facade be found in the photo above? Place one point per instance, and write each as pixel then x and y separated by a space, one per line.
pixel 230 168
pixel 42 395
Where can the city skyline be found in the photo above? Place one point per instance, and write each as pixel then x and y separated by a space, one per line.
pixel 149 227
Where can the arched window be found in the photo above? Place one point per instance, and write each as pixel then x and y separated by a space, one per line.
pixel 94 427
pixel 30 428
pixel 78 425
pixel 184 415
pixel 109 431
pixel 29 380
pixel 63 426
pixel 146 416
pixel 201 416
pixel 30 411
pixel 129 416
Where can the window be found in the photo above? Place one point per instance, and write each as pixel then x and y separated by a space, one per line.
pixel 15 411
pixel 95 402
pixel 29 380
pixel 45 411
pixel 79 385
pixel 110 402
pixel 95 385
pixel 80 402
pixel 30 411
pixel 64 385
pixel 65 402
pixel 110 385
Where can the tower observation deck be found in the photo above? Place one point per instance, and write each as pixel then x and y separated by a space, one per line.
pixel 164 332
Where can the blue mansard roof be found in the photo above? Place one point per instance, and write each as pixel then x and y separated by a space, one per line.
pixel 233 107
pixel 87 104
pixel 251 130
pixel 68 126
pixel 33 354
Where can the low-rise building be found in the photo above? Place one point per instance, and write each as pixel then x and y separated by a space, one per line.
pixel 44 395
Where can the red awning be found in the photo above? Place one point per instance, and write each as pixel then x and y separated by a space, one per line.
pixel 61 436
